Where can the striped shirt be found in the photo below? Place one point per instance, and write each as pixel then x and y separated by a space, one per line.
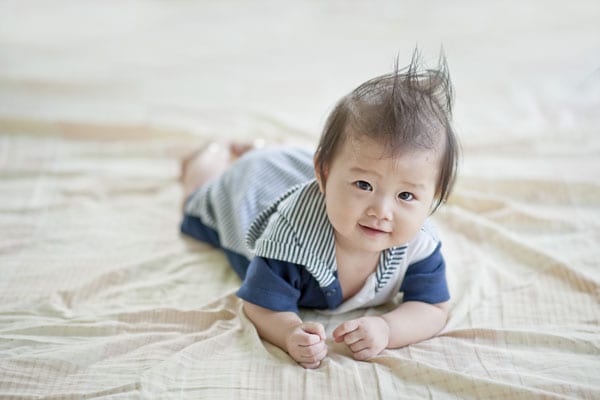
pixel 230 204
pixel 293 233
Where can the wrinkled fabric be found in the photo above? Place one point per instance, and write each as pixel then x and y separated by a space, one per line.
pixel 101 296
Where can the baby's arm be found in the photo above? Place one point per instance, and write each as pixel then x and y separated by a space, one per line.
pixel 304 341
pixel 411 322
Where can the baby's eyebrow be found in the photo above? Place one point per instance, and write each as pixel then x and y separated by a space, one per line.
pixel 418 186
pixel 359 170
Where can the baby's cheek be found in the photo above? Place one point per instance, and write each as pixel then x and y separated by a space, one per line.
pixel 339 216
pixel 408 227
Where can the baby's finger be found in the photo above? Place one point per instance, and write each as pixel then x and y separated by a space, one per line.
pixel 359 346
pixel 344 329
pixel 306 339
pixel 311 365
pixel 363 354
pixel 308 358
pixel 308 353
pixel 312 354
pixel 322 354
pixel 354 337
pixel 314 328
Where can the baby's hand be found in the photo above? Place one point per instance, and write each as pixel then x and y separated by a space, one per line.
pixel 366 337
pixel 306 344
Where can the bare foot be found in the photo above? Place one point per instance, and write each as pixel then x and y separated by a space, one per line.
pixel 238 149
pixel 202 165
pixel 209 162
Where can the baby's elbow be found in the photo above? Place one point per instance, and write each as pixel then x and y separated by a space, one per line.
pixel 445 306
pixel 445 310
pixel 250 310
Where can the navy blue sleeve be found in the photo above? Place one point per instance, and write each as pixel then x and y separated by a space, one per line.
pixel 272 284
pixel 425 280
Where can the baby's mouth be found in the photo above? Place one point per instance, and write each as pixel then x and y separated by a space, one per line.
pixel 372 231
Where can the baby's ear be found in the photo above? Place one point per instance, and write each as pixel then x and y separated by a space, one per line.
pixel 321 179
pixel 321 183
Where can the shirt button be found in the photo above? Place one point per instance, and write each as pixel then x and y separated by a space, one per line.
pixel 330 292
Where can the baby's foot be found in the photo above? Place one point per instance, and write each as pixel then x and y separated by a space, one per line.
pixel 210 161
pixel 238 149
pixel 224 152
pixel 203 164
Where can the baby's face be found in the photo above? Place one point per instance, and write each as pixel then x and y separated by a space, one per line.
pixel 376 202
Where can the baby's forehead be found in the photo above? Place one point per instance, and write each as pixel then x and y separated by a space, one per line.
pixel 365 154
pixel 383 146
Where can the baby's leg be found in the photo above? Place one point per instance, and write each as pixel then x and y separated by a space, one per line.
pixel 203 165
pixel 209 163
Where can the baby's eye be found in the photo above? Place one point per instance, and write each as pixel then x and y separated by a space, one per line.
pixel 406 196
pixel 363 185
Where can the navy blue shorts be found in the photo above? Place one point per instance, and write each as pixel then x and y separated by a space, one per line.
pixel 194 227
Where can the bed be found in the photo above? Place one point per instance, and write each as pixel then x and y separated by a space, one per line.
pixel 102 297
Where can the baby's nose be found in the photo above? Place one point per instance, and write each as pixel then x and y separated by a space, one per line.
pixel 381 208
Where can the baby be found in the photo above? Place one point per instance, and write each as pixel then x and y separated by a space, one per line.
pixel 340 229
